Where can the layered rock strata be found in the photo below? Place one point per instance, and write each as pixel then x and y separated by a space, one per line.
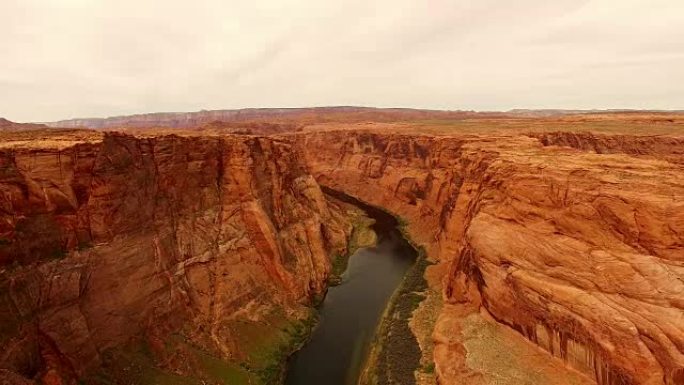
pixel 579 248
pixel 129 238
pixel 574 241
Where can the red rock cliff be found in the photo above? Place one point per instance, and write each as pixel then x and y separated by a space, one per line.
pixel 576 242
pixel 104 242
pixel 581 252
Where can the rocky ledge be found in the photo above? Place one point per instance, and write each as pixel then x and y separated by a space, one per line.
pixel 193 259
pixel 159 259
pixel 576 242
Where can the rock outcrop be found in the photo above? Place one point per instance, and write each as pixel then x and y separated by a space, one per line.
pixel 575 241
pixel 657 147
pixel 129 238
pixel 580 249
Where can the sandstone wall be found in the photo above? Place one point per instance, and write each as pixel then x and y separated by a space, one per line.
pixel 576 242
pixel 102 243
pixel 581 252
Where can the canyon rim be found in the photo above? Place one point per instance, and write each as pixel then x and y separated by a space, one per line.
pixel 194 248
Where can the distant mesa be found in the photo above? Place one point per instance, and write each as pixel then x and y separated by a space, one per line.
pixel 7 125
pixel 287 118
pixel 307 115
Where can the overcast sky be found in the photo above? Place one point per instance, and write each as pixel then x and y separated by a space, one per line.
pixel 87 58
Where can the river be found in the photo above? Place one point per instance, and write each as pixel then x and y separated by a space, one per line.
pixel 350 312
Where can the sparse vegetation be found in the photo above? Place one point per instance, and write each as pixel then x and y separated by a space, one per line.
pixel 267 355
pixel 395 353
pixel 362 235
pixel 429 368
pixel 266 347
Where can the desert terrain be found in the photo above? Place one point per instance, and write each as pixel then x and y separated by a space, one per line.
pixel 192 248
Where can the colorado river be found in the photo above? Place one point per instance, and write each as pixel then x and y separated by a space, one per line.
pixel 351 311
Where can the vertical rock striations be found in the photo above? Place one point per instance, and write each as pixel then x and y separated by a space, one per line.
pixel 134 238
pixel 576 241
pixel 581 250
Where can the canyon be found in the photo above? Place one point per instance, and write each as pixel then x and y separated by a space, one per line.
pixel 196 256
pixel 148 239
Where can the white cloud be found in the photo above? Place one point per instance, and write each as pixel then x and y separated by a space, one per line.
pixel 79 58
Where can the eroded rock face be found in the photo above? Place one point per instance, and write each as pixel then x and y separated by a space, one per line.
pixel 101 243
pixel 575 241
pixel 581 252
pixel 658 147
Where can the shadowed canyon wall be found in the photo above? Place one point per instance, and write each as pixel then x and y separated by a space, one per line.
pixel 134 238
pixel 580 252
